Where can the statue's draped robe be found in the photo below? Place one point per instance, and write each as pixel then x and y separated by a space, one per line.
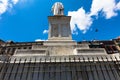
pixel 57 9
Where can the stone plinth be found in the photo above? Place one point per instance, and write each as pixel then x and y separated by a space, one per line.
pixel 60 43
pixel 59 28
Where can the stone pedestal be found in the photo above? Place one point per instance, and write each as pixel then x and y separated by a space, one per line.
pixel 59 28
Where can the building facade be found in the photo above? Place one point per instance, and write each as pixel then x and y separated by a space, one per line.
pixel 60 58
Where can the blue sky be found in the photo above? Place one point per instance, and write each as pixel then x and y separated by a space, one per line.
pixel 27 20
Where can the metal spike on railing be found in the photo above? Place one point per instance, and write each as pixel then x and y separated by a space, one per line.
pixel 110 65
pixel 23 69
pixel 116 67
pixel 2 66
pixel 101 68
pixel 82 75
pixel 33 68
pixel 85 70
pixel 5 68
pixel 106 69
pixel 91 69
pixel 39 69
pixel 12 65
pixel 17 72
pixel 28 67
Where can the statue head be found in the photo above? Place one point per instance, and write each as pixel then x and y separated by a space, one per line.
pixel 58 9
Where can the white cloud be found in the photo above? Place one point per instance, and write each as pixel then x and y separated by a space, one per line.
pixel 6 4
pixel 37 40
pixel 15 1
pixel 83 20
pixel 3 6
pixel 45 31
pixel 118 6
pixel 106 6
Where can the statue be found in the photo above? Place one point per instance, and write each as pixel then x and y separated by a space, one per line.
pixel 58 9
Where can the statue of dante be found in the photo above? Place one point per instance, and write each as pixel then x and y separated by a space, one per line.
pixel 58 9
